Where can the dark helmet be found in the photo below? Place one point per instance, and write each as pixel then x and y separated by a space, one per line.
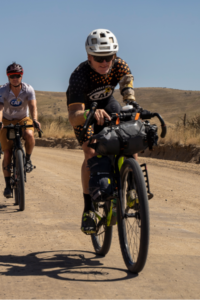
pixel 14 69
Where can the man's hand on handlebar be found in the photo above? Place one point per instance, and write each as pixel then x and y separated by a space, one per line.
pixel 100 115
pixel 36 125
pixel 1 125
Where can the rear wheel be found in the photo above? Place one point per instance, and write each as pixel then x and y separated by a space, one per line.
pixel 133 225
pixel 19 176
pixel 102 239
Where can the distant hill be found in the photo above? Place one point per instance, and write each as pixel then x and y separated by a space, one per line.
pixel 170 103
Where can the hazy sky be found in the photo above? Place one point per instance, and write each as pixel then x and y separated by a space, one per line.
pixel 159 39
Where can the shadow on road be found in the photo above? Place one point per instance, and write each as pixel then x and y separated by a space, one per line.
pixel 7 207
pixel 2 206
pixel 63 265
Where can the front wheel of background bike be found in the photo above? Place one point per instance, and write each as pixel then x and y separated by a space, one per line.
pixel 16 196
pixel 20 193
pixel 133 225
pixel 102 240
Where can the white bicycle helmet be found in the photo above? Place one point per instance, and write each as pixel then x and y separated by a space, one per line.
pixel 101 42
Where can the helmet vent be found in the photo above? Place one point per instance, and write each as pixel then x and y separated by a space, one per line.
pixel 104 48
pixel 94 32
pixel 104 43
pixel 102 35
pixel 108 31
pixel 111 40
pixel 115 46
pixel 94 41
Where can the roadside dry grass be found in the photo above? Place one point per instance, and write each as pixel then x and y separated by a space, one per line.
pixel 172 104
pixel 185 131
pixel 56 127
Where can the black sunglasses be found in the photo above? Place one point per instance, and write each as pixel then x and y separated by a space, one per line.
pixel 101 59
pixel 15 76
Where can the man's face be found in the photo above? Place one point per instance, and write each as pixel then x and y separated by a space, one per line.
pixel 15 79
pixel 100 67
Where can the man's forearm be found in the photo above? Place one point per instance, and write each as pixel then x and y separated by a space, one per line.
pixel 1 112
pixel 76 117
pixel 33 112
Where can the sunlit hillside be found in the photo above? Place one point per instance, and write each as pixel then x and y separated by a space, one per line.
pixel 170 103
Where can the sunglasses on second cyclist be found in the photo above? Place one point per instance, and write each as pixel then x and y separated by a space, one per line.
pixel 101 59
pixel 15 76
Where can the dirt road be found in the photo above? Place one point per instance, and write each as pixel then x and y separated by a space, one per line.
pixel 43 253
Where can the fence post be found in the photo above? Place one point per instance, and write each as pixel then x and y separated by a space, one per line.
pixel 184 120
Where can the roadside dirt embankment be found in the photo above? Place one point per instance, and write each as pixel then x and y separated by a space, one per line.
pixel 58 143
pixel 182 153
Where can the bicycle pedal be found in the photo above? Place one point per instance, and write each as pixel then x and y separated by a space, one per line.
pixel 150 196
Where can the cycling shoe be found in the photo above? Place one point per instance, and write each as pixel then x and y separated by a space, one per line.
pixel 88 222
pixel 7 192
pixel 29 166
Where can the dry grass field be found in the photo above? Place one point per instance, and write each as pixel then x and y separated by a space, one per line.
pixel 172 104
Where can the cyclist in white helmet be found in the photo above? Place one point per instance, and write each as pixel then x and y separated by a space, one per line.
pixel 94 81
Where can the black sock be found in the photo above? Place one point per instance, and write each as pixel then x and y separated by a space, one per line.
pixel 7 180
pixel 88 203
pixel 28 156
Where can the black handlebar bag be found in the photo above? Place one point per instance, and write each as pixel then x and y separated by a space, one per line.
pixel 127 138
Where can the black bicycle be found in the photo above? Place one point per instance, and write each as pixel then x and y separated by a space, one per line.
pixel 128 205
pixel 18 168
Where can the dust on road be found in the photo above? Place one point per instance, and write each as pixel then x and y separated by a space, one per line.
pixel 43 253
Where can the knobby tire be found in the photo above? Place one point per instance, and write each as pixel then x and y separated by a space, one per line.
pixel 135 250
pixel 20 192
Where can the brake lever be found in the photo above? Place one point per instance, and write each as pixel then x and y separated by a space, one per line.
pixel 37 127
pixel 88 120
pixel 148 115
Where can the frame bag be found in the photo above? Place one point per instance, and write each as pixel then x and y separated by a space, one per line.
pixel 101 183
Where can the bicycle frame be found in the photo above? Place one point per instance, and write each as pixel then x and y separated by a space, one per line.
pixel 17 145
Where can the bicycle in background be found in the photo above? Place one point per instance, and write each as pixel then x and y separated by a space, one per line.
pixel 18 166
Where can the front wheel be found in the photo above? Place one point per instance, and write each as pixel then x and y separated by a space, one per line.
pixel 19 177
pixel 102 239
pixel 133 216
pixel 16 196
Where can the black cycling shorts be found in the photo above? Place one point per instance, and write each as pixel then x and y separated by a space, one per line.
pixel 110 105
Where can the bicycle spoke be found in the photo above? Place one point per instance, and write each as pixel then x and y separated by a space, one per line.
pixel 102 240
pixel 132 225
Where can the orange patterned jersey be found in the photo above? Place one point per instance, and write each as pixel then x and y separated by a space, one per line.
pixel 86 85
